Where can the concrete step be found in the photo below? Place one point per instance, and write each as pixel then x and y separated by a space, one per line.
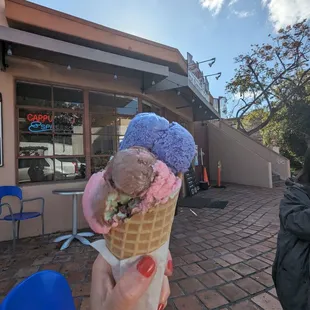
pixel 280 183
pixel 275 177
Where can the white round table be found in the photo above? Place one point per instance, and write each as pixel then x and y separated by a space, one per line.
pixel 75 235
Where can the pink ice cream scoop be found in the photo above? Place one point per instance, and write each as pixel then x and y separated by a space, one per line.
pixel 93 196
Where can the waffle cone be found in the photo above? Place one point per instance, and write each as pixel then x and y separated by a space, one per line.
pixel 142 233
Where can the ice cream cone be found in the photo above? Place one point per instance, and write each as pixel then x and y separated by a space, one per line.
pixel 142 233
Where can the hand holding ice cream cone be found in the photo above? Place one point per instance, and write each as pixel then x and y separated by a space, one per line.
pixel 105 295
pixel 132 202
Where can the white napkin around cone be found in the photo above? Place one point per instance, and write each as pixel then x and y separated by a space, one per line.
pixel 150 300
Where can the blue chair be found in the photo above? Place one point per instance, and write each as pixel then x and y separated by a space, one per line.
pixel 44 290
pixel 15 191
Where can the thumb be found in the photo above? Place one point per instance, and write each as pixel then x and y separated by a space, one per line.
pixel 132 285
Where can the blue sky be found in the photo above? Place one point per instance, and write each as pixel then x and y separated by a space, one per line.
pixel 205 28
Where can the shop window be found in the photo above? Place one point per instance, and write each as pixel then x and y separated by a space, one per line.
pixel 52 131
pixel 109 118
pixel 51 141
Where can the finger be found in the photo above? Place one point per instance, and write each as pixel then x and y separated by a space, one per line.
pixel 164 295
pixel 102 282
pixel 169 266
pixel 132 285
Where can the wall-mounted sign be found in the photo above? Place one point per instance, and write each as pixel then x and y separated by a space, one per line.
pixel 1 133
pixel 197 78
pixel 216 103
pixel 39 122
pixel 44 122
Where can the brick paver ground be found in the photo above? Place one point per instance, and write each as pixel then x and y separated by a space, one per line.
pixel 222 258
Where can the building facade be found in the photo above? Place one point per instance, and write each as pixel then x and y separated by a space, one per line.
pixel 68 90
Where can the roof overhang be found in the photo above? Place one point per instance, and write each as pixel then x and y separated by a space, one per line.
pixel 27 16
pixel 202 108
pixel 48 49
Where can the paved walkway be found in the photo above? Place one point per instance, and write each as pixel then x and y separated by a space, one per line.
pixel 222 258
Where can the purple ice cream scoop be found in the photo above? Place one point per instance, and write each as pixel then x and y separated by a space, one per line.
pixel 171 143
pixel 176 148
pixel 143 130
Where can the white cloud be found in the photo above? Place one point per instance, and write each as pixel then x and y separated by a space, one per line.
pixel 243 14
pixel 232 2
pixel 214 6
pixel 287 12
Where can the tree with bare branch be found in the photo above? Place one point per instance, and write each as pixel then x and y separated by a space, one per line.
pixel 272 75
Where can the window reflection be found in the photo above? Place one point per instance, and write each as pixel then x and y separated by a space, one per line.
pixel 68 122
pixel 35 170
pixel 101 103
pixel 126 105
pixel 68 98
pixel 49 169
pixel 33 94
pixel 103 124
pixel 51 130
pixel 122 125
pixel 69 145
pixel 99 163
pixel 109 117
pixel 103 145
pixel 35 145
pixel 51 143
pixel 70 168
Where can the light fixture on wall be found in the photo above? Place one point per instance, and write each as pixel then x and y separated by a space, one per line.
pixel 115 77
pixel 218 75
pixel 200 107
pixel 9 51
pixel 69 67
pixel 210 61
pixel 178 92
pixel 206 112
pixel 193 100
pixel 153 83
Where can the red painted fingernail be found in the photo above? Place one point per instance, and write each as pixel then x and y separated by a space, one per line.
pixel 161 307
pixel 170 266
pixel 146 266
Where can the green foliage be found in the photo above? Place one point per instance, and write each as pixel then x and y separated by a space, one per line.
pixel 271 76
pixel 289 129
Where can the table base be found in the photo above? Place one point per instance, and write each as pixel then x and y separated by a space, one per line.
pixel 70 238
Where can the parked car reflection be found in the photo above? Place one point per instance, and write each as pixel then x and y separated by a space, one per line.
pixel 49 169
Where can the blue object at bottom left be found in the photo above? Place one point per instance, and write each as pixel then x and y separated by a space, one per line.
pixel 45 290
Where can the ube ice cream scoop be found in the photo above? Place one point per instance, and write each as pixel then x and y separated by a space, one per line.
pixel 175 147
pixel 171 143
pixel 143 130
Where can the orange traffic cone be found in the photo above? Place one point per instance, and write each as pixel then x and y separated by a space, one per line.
pixel 219 176
pixel 205 176
pixel 219 167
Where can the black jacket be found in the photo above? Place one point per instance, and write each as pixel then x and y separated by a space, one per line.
pixel 291 268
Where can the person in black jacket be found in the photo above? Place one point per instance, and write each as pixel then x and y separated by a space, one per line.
pixel 291 268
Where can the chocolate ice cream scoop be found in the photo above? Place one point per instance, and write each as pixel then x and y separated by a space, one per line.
pixel 131 171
